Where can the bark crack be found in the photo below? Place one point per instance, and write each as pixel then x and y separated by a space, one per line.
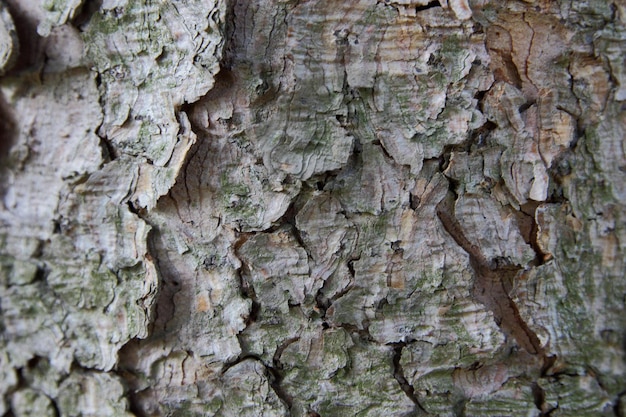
pixel 398 374
pixel 539 397
pixel 489 284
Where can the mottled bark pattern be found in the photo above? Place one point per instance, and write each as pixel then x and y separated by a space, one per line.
pixel 490 286
pixel 312 208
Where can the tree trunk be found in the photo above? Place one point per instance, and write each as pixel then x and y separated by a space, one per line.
pixel 312 208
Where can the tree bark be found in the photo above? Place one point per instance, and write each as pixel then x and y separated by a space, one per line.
pixel 312 208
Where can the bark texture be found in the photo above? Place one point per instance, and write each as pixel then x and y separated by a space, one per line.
pixel 312 208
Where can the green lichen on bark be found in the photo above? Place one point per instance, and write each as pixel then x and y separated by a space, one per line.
pixel 313 208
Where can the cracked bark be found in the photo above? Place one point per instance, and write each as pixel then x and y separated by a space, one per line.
pixel 233 207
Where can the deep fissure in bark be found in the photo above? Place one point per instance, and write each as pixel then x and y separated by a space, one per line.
pixel 489 285
pixel 189 263
pixel 398 374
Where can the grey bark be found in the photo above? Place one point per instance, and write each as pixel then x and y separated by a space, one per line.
pixel 312 208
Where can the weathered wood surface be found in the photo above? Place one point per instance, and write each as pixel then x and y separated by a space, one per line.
pixel 312 208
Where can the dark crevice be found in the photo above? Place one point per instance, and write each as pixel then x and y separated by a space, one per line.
pixel 491 278
pixel 480 95
pixel 430 5
pixel 323 303
pixel 276 375
pixel 351 267
pixel 31 57
pixel 231 36
pixel 477 138
pixel 127 356
pixel 77 368
pixel 168 286
pixel 593 372
pixel 85 12
pixel 478 29
pixel 618 405
pixel 133 404
pixel 246 288
pixel 298 236
pixel 561 167
pixel 444 160
pixel 275 379
pixel 320 181
pixel 247 292
pixel 511 73
pixel 41 274
pixel 494 278
pixel 8 129
pixel 34 361
pixel 539 398
pixel 24 381
pixel 288 218
pixel 55 408
pixel 255 311
pixel 414 201
pixel 558 172
pixel 225 81
pixel 109 153
pixel 8 138
pixel 526 220
pixel 398 374
pixel 378 144
pixel 380 307
pixel 548 363
pixel 273 371
pixel 526 106
pixel 556 196
pixel 459 408
pixel 342 119
pixel 362 333
pixel 239 359
pixel 132 208
pixel 493 281
pixel 279 352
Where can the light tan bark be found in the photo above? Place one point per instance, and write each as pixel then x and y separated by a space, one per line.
pixel 312 208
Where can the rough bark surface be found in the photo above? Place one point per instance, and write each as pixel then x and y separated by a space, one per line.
pixel 312 208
